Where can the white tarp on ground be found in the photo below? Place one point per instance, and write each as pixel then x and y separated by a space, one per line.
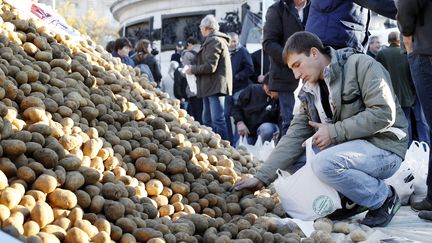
pixel 406 226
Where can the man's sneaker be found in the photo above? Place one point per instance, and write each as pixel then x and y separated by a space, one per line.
pixel 425 215
pixel 422 205
pixel 349 209
pixel 382 216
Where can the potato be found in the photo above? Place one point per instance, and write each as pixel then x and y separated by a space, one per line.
pixel 26 173
pixel 113 210
pixel 76 235
pixel 42 214
pixel 87 227
pixel 127 225
pixel 154 187
pixel 74 180
pixel 97 204
pixel 101 237
pixel 10 197
pixel 144 164
pixel 62 199
pixel 55 230
pixel 30 48
pixel 45 183
pixel 127 238
pixel 31 228
pixel 39 196
pixel 48 157
pixel 145 234
pixel 43 56
pixel 3 180
pixel 13 147
pixel 48 238
pixel 103 225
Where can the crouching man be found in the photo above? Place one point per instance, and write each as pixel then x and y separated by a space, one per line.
pixel 349 108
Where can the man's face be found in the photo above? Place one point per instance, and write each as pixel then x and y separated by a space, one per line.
pixel 305 67
pixel 233 42
pixel 204 31
pixel 375 46
pixel 124 52
pixel 273 94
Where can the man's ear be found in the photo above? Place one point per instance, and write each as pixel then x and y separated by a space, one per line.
pixel 314 52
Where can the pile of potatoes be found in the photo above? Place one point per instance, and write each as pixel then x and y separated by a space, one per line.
pixel 90 150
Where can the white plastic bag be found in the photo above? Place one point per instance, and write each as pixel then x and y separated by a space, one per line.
pixel 303 195
pixel 266 150
pixel 403 182
pixel 417 158
pixel 259 150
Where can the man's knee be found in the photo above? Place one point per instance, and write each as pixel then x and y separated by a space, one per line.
pixel 324 168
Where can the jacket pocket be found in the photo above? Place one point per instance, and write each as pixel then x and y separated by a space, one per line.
pixel 349 99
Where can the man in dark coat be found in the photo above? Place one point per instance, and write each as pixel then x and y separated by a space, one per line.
pixel 344 23
pixel 283 18
pixel 396 63
pixel 214 74
pixel 414 17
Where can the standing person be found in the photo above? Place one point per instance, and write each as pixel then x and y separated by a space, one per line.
pixel 345 23
pixel 256 59
pixel 349 109
pixel 194 104
pixel 414 17
pixel 374 46
pixel 283 18
pixel 214 74
pixel 177 52
pixel 143 56
pixel 122 47
pixel 242 70
pixel 396 63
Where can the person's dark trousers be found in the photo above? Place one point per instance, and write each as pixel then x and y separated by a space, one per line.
pixel 195 108
pixel 213 114
pixel 421 126
pixel 286 103
pixel 421 72
pixel 229 103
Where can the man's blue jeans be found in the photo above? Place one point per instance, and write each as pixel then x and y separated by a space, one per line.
pixel 422 128
pixel 213 114
pixel 286 103
pixel 421 72
pixel 357 170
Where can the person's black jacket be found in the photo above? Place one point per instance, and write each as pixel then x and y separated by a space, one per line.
pixel 282 21
pixel 242 68
pixel 254 107
pixel 415 19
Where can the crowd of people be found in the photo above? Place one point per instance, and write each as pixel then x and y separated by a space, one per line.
pixel 361 106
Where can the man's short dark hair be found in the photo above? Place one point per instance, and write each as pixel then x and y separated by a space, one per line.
pixel 393 37
pixel 121 42
pixel 192 40
pixel 301 43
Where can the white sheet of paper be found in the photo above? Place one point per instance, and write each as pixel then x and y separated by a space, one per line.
pixel 191 79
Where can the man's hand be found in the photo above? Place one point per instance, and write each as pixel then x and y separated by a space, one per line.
pixel 189 71
pixel 321 138
pixel 242 129
pixel 248 183
pixel 407 40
